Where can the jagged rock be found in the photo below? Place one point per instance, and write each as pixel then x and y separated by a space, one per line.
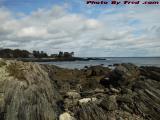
pixel 26 93
pixel 125 98
pixel 123 115
pixel 151 72
pixel 109 103
pixel 66 116
pixel 90 111
pixel 147 100
pixel 127 108
pixel 124 75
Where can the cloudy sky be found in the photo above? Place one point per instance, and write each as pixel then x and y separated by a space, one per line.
pixel 88 30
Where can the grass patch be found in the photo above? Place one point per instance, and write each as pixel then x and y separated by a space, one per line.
pixel 14 70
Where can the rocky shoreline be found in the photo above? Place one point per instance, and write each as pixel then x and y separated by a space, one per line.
pixel 30 91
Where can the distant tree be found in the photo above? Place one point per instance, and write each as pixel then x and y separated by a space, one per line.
pixel 38 54
pixel 60 54
pixel 67 55
pixel 53 55
pixel 8 53
pixel 35 54
pixel 20 53
pixel 17 53
pixel 43 54
pixel 72 54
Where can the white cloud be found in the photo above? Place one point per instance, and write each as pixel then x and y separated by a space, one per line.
pixel 31 32
pixel 125 33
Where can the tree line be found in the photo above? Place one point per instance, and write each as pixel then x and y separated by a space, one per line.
pixel 17 53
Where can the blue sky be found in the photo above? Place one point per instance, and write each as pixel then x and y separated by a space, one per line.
pixel 72 25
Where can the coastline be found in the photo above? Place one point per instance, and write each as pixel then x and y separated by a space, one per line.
pixel 55 59
pixel 127 91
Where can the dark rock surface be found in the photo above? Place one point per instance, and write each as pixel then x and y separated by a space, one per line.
pixel 151 72
pixel 29 91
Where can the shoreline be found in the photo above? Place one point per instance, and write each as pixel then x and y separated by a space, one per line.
pixel 128 91
pixel 54 59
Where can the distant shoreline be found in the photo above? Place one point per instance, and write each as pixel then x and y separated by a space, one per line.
pixel 55 59
pixel 67 59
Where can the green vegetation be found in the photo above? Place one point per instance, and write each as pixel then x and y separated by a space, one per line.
pixel 8 53
pixel 17 53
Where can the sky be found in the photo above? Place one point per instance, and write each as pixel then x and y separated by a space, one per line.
pixel 73 25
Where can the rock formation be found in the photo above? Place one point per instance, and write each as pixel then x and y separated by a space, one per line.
pixel 30 91
pixel 26 92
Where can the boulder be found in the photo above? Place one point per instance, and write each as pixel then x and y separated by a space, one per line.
pixel 124 74
pixel 66 116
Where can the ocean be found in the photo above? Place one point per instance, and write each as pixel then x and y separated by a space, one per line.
pixel 139 61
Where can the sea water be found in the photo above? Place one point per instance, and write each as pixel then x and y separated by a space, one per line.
pixel 139 61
